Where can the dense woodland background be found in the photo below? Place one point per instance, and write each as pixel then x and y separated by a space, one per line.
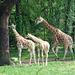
pixel 59 13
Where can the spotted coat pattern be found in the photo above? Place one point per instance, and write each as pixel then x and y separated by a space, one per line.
pixel 23 43
pixel 43 45
pixel 59 37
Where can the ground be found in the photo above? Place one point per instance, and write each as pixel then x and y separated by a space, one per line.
pixel 58 67
pixel 25 62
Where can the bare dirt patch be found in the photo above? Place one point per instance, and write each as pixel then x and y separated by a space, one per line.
pixel 25 62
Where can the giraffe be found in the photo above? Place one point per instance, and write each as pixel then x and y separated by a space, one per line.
pixel 43 45
pixel 23 43
pixel 59 37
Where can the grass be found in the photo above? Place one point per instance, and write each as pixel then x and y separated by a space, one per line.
pixel 53 67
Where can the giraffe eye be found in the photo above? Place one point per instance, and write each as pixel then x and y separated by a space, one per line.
pixel 13 27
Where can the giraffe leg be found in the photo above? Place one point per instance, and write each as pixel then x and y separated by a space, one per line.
pixel 30 57
pixel 38 55
pixel 65 51
pixel 19 49
pixel 42 57
pixel 71 51
pixel 34 57
pixel 46 57
pixel 53 49
pixel 57 50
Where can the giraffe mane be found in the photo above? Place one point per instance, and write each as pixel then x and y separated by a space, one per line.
pixel 51 25
pixel 36 37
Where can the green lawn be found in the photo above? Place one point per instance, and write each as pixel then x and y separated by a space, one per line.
pixel 53 68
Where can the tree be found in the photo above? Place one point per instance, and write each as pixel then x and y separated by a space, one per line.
pixel 73 24
pixel 67 14
pixel 18 18
pixel 5 9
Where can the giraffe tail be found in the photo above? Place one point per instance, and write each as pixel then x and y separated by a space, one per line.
pixel 48 52
pixel 48 48
pixel 73 50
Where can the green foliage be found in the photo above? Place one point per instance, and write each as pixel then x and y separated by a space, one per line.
pixel 19 24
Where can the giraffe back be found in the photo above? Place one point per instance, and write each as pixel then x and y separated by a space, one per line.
pixel 62 38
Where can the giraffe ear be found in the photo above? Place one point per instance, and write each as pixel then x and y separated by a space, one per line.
pixel 39 16
pixel 15 26
pixel 9 26
pixel 12 24
pixel 28 34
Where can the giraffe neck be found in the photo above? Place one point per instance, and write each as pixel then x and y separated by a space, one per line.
pixel 51 28
pixel 16 33
pixel 35 39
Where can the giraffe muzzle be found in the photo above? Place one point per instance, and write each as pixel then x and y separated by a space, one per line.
pixel 9 26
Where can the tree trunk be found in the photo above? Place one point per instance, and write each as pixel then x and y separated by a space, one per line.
pixel 67 14
pixel 4 40
pixel 5 9
pixel 73 25
pixel 17 8
pixel 18 18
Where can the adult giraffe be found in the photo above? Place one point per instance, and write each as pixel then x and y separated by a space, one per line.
pixel 58 37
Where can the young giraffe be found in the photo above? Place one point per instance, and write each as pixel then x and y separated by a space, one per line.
pixel 43 45
pixel 23 43
pixel 58 37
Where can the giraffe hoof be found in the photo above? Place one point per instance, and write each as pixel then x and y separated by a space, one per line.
pixel 56 58
pixel 48 52
pixel 35 62
pixel 72 59
pixel 38 63
pixel 20 64
pixel 62 59
pixel 29 63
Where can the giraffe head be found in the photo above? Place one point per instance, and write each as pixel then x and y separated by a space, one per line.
pixel 40 19
pixel 13 26
pixel 28 36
